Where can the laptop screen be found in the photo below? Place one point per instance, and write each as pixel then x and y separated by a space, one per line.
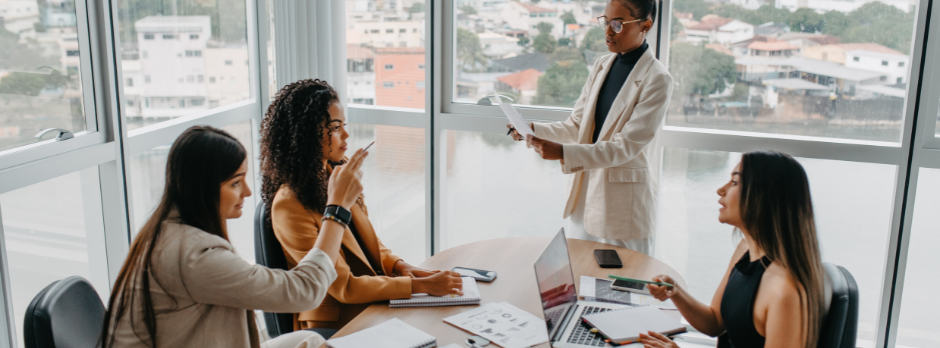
pixel 556 281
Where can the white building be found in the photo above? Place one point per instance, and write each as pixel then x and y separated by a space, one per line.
pixel 227 76
pixel 360 75
pixel 894 65
pixel 172 65
pixel 382 33
pixel 526 16
pixel 483 5
pixel 498 45
pixel 133 81
pixel 19 16
pixel 721 30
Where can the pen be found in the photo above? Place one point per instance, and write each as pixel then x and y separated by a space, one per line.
pixel 367 147
pixel 611 276
pixel 510 130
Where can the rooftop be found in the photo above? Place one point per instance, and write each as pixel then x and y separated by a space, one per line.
pixel 525 80
pixel 399 50
pixel 794 84
pixel 821 39
pixel 533 8
pixel 711 23
pixel 535 61
pixel 883 90
pixel 772 46
pixel 873 47
pixel 812 66
pixel 356 52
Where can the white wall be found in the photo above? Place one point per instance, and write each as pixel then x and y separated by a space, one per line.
pixel 897 67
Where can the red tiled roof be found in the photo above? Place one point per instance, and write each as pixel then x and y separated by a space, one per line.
pixel 681 15
pixel 533 8
pixel 399 50
pixel 772 46
pixel 525 80
pixel 868 47
pixel 356 52
pixel 710 24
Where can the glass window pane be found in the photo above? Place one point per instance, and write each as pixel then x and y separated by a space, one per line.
pixel 394 186
pixel 817 68
pixel 385 53
pixel 53 230
pixel 40 81
pixel 269 45
pixel 852 224
pixel 148 178
pixel 918 322
pixel 184 57
pixel 489 174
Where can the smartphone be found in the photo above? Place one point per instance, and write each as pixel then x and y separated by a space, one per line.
pixel 608 258
pixel 478 274
pixel 624 285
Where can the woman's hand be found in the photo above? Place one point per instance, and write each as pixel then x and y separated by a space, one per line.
pixel 345 183
pixel 653 339
pixel 548 149
pixel 442 283
pixel 407 270
pixel 515 134
pixel 660 292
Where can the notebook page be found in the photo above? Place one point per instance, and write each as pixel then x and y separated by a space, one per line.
pixel 393 333
pixel 470 291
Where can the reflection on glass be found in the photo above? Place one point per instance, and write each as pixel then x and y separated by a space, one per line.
pixel 40 83
pixel 853 223
pixel 918 322
pixel 820 68
pixel 51 232
pixel 180 57
pixel 148 176
pixel 385 53
pixel 394 186
pixel 489 174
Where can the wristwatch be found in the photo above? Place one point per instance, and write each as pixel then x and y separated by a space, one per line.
pixel 335 212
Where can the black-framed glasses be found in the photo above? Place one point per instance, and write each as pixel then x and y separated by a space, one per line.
pixel 617 25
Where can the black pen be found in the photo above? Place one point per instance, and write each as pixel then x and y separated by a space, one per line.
pixel 510 131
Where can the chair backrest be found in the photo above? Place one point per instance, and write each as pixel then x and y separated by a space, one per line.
pixel 66 314
pixel 269 253
pixel 840 325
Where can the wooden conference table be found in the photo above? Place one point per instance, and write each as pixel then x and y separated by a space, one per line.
pixel 513 259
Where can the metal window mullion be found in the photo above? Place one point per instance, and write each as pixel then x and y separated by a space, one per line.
pixel 166 132
pixel 48 148
pixel 85 43
pixel 433 41
pixel 7 319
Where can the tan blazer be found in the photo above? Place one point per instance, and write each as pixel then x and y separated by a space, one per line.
pixel 203 293
pixel 621 194
pixel 357 284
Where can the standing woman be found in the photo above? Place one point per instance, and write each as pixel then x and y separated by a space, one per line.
pixel 608 139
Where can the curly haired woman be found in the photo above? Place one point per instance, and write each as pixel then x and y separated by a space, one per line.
pixel 303 136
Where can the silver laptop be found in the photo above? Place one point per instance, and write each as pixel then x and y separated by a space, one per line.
pixel 560 302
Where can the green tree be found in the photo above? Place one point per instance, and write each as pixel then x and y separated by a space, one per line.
pixel 561 85
pixel 806 20
pixel 544 43
pixel 882 24
pixel 768 13
pixel 595 40
pixel 697 70
pixel 568 18
pixel 469 52
pixel 697 8
pixel 565 53
pixel 31 83
pixel 837 23
pixel 468 10
pixel 564 42
pixel 545 27
pixel 417 7
pixel 23 56
pixel 523 41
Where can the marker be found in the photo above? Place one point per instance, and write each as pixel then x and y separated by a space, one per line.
pixel 367 147
pixel 611 276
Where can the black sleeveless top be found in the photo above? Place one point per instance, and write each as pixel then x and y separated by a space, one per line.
pixel 737 303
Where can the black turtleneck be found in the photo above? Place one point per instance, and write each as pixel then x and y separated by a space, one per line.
pixel 619 71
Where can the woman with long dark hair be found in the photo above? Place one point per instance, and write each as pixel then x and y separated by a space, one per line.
pixel 303 138
pixel 772 294
pixel 182 285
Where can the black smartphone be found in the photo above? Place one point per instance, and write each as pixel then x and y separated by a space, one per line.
pixel 624 285
pixel 608 258
pixel 478 274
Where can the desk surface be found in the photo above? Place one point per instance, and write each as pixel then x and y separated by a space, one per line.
pixel 513 259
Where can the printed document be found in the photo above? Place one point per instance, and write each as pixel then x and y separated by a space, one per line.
pixel 514 117
pixel 503 324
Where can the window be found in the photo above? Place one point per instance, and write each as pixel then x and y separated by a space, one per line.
pixel 190 79
pixel 374 31
pixel 182 102
pixel 211 79
pixel 129 82
pixel 916 322
pixel 194 36
pixel 419 84
pixel 900 64
pixel 148 36
pixel 415 30
pixel 389 31
pixel 855 58
pixel 403 44
pixel 402 30
pixel 900 80
pixel 388 85
pixel 143 54
pixel 199 79
pixel 197 101
pixel 146 78
pixel 228 62
pixel 169 36
pixel 421 66
pixel 71 53
pixel 389 66
pixel 884 62
pixel 195 53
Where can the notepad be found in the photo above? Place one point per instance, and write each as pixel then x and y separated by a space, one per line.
pixel 625 325
pixel 471 296
pixel 393 333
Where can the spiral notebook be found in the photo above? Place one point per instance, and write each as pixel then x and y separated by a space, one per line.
pixel 393 333
pixel 471 296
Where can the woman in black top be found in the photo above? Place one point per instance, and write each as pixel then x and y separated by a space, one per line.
pixel 772 293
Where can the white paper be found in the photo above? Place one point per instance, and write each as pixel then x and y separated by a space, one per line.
pixel 392 333
pixel 503 324
pixel 514 117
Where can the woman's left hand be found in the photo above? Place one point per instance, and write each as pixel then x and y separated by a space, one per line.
pixel 407 270
pixel 548 149
pixel 656 340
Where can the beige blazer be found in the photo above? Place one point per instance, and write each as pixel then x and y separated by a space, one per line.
pixel 621 194
pixel 203 293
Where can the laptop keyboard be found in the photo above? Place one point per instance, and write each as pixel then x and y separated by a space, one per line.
pixel 582 332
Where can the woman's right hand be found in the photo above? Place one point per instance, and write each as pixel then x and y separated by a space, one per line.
pixel 345 183
pixel 661 292
pixel 440 284
pixel 515 134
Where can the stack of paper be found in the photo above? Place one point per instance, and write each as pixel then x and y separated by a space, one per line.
pixel 502 324
pixel 393 333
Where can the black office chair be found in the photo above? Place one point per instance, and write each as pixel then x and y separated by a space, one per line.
pixel 66 314
pixel 268 252
pixel 840 325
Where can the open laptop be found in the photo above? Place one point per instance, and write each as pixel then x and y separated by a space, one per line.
pixel 560 302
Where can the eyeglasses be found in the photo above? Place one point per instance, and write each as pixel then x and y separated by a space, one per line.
pixel 617 25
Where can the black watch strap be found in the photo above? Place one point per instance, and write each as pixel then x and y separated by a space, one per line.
pixel 342 214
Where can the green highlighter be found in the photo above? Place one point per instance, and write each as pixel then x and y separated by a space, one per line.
pixel 611 276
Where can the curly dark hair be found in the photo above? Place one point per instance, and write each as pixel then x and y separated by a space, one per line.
pixel 291 148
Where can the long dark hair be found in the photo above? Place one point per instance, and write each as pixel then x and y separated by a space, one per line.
pixel 291 147
pixel 200 160
pixel 777 212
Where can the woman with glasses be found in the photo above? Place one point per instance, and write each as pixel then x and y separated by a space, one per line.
pixel 608 140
